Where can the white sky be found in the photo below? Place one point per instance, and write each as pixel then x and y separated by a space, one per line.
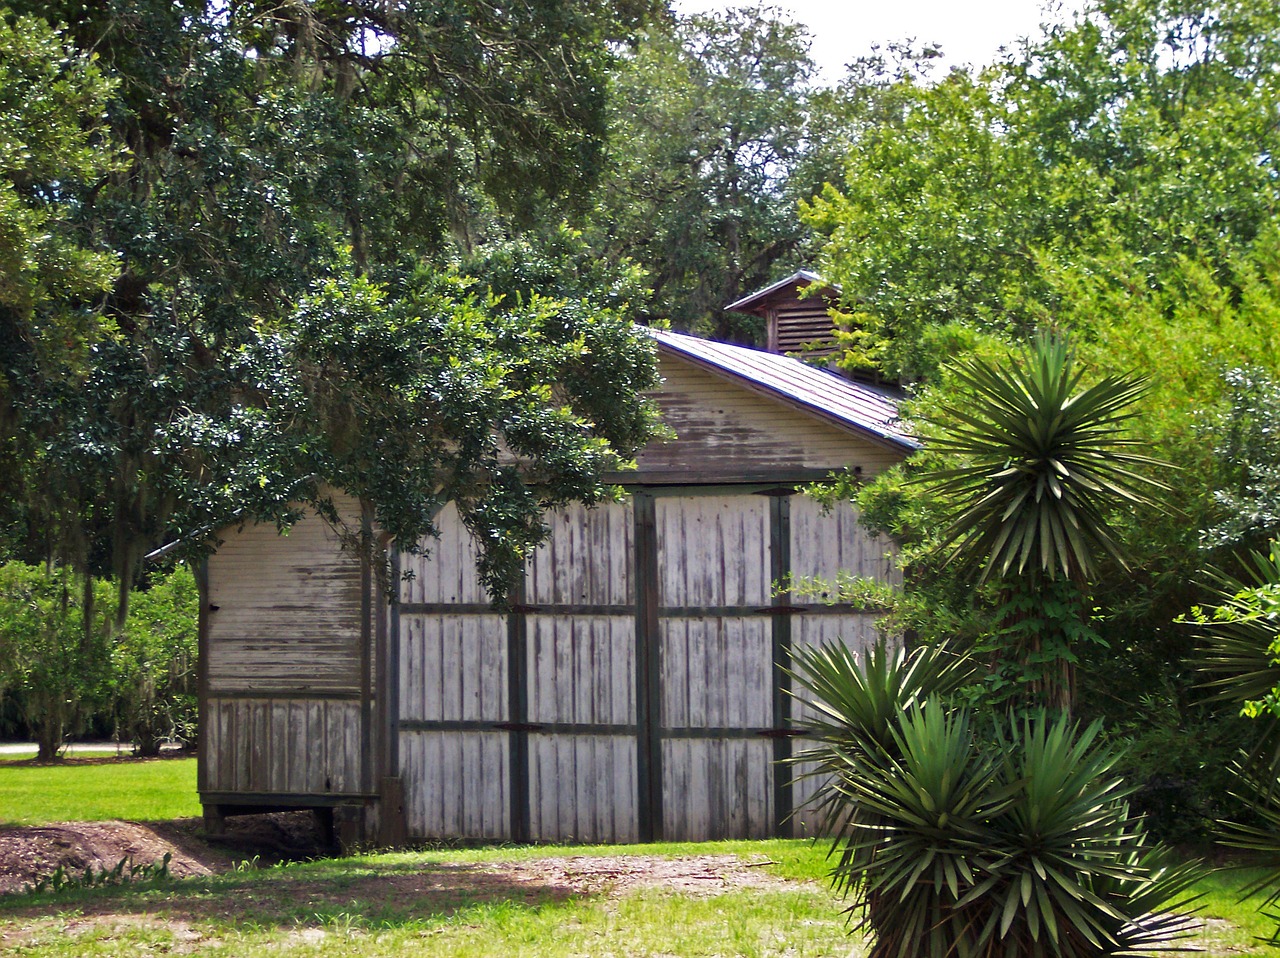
pixel 969 31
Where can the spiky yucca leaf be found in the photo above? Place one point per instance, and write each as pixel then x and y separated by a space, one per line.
pixel 850 699
pixel 1238 659
pixel 1258 785
pixel 1044 461
pixel 954 845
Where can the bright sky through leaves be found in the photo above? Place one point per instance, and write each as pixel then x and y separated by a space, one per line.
pixel 969 32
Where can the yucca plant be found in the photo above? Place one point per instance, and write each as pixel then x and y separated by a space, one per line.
pixel 856 702
pixel 1241 636
pixel 1041 463
pixel 1241 662
pixel 1258 785
pixel 1076 876
pixel 951 843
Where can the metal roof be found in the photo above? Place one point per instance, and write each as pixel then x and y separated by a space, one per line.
pixel 858 407
pixel 799 276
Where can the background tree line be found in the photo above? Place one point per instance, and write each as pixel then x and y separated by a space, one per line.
pixel 1114 180
pixel 246 247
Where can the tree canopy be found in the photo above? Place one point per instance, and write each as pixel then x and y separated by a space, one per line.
pixel 256 211
pixel 711 125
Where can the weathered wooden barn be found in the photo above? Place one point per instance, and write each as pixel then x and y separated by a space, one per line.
pixel 635 689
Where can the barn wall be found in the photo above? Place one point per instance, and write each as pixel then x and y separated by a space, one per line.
pixel 635 689
pixel 825 544
pixel 728 434
pixel 286 664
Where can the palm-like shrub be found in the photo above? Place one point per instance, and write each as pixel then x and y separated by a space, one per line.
pixel 952 842
pixel 1241 658
pixel 1044 462
pixel 1241 661
pixel 1041 462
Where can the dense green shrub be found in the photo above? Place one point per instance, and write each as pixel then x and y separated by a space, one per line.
pixel 154 664
pixel 64 668
pixel 957 841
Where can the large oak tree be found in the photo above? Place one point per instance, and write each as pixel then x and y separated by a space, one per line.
pixel 277 199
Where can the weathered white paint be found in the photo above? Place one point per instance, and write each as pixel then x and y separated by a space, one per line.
pixel 717 672
pixel 717 788
pixel 587 558
pixel 456 784
pixel 713 551
pixel 284 610
pixel 446 569
pixel 583 788
pixel 283 660
pixel 581 669
pixel 453 667
pixel 826 542
pixel 726 432
pixel 288 746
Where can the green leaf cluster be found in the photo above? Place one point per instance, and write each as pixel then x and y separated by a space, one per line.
pixel 67 666
pixel 710 127
pixel 1042 462
pixel 281 195
pixel 153 664
pixel 54 648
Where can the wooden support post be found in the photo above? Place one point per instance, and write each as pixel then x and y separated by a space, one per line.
pixel 348 824
pixel 780 570
pixel 392 828
pixel 518 715
pixel 215 823
pixel 648 672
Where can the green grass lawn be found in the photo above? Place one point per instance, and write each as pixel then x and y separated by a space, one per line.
pixel 471 904
pixel 468 903
pixel 80 791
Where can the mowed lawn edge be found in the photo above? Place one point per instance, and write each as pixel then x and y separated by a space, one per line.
pixel 77 790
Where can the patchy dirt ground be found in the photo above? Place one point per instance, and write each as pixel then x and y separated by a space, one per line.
pixel 29 853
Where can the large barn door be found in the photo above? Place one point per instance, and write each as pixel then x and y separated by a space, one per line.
pixel 715 665
pixel 580 673
pixel 825 543
pixel 637 689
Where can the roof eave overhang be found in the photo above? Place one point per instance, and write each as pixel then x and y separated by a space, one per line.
pixel 751 303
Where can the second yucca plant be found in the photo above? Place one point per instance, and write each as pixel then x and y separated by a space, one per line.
pixel 953 840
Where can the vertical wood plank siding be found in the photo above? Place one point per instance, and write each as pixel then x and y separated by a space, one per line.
pixel 284 669
pixel 709 738
pixel 713 551
pixel 453 669
pixel 633 687
pixel 823 545
pixel 456 784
